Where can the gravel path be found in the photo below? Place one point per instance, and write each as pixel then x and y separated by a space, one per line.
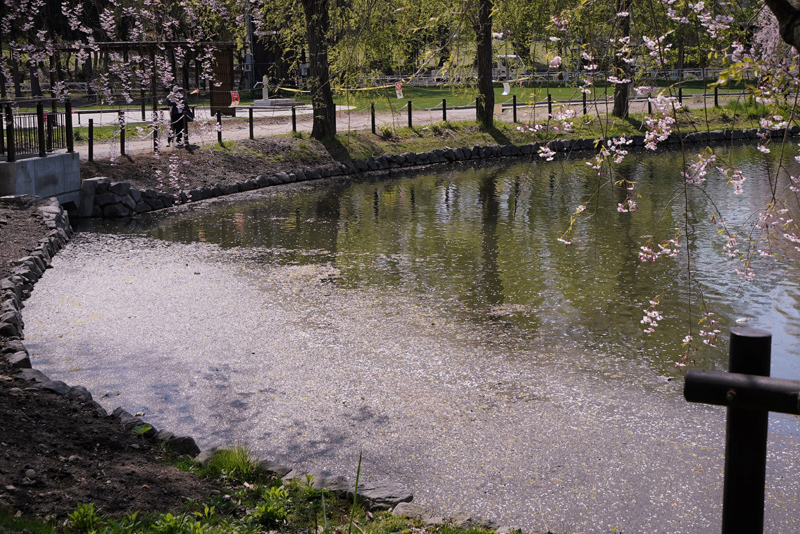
pixel 216 344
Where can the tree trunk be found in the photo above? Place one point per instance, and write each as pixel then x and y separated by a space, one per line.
pixel 623 71
pixel 317 26
pixel 484 105
pixel 788 21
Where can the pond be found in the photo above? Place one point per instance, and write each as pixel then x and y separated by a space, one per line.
pixel 435 321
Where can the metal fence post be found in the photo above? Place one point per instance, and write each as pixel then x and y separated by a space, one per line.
pixel 250 120
pixel 716 96
pixel 372 115
pixel 155 130
pixel 219 127
pixel 549 103
pixel 10 143
pixel 409 114
pixel 91 139
pixel 40 128
pixel 584 103
pixel 68 123
pixel 294 119
pixel 444 110
pixel 121 119
pixel 2 133
pixel 680 95
pixel 514 107
pixel 649 104
pixel 746 439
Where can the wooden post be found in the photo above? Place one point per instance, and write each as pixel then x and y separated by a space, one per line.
pixel 2 131
pixel 680 95
pixel 40 128
pixel 409 115
pixel 372 115
pixel 250 120
pixel 294 119
pixel 514 107
pixel 746 439
pixel 121 119
pixel 10 146
pixel 144 112
pixel 91 139
pixel 444 110
pixel 549 104
pixel 649 105
pixel 584 103
pixel 219 127
pixel 716 96
pixel 68 123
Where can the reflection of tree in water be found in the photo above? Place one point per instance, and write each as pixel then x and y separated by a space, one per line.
pixel 489 285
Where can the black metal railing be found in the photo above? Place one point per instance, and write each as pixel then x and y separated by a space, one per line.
pixel 34 133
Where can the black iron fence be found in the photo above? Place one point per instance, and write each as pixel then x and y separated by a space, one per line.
pixel 26 133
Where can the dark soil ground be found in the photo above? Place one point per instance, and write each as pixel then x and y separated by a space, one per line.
pixel 194 167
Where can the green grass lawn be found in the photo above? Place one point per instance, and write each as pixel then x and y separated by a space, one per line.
pixel 385 99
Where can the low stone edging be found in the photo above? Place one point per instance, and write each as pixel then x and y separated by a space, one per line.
pixel 102 198
pixel 17 287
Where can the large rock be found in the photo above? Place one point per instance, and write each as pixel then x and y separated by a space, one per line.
pixel 274 469
pixel 178 444
pixel 116 211
pixel 19 360
pixel 415 511
pixel 384 495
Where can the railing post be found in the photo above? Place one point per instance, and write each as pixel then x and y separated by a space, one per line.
pixel 584 104
pixel 649 105
pixel 716 96
pixel 549 104
pixel 3 133
pixel 444 110
pixel 409 115
pixel 250 121
pixel 144 113
pixel 372 115
pixel 294 119
pixel 91 139
pixel 514 107
pixel 11 147
pixel 219 127
pixel 680 95
pixel 121 119
pixel 155 131
pixel 49 123
pixel 68 123
pixel 746 439
pixel 40 128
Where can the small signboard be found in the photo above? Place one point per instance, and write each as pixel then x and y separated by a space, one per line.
pixel 234 99
pixel 398 89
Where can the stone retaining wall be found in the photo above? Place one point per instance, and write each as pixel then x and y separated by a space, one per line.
pixel 102 198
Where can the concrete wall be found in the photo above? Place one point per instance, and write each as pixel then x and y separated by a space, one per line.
pixel 55 175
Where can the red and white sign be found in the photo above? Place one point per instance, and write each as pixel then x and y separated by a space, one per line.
pixel 234 99
pixel 398 89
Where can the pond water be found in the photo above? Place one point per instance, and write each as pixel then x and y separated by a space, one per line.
pixel 434 320
pixel 486 241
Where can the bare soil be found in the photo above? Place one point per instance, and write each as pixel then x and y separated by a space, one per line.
pixel 193 167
